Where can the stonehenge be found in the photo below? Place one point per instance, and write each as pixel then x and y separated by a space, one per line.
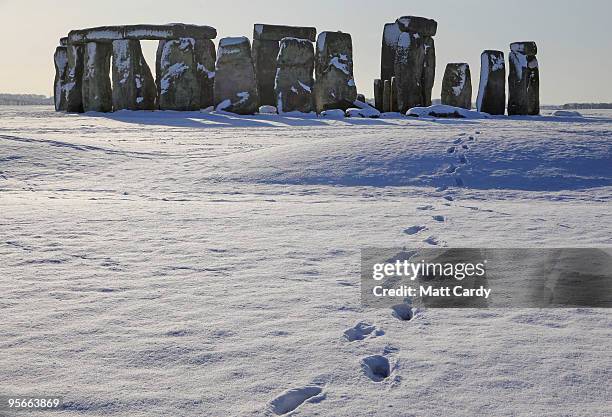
pixel 235 85
pixel 103 69
pixel 294 80
pixel 334 83
pixel 457 86
pixel 408 53
pixel 492 89
pixel 266 46
pixel 523 80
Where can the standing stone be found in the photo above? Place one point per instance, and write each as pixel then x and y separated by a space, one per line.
pixel 294 81
pixel 266 47
pixel 492 89
pixel 457 86
pixel 205 56
pixel 429 70
pixel 97 91
pixel 133 84
pixel 524 80
pixel 391 34
pixel 393 106
pixel 415 62
pixel 378 94
pixel 235 82
pixel 178 85
pixel 60 60
pixel 334 86
pixel 74 79
pixel 386 104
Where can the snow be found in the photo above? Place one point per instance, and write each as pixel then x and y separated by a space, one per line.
pixel 267 110
pixel 362 110
pixel 232 41
pixel 333 113
pixel 340 64
pixel 484 80
pixel 443 110
pixel 305 87
pixel 462 70
pixel 173 72
pixel 404 40
pixel 566 113
pixel 391 34
pixel 186 263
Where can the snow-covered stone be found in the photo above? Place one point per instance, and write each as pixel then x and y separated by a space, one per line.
pixel 178 84
pixel 266 46
pixel 74 79
pixel 133 84
pixel 391 33
pixel 235 81
pixel 523 80
pixel 492 89
pixel 108 34
pixel 334 86
pixel 333 114
pixel 266 109
pixel 205 57
pixel 415 62
pixel 362 109
pixel 294 80
pixel 60 61
pixel 566 113
pixel 415 24
pixel 447 112
pixel 97 91
pixel 457 86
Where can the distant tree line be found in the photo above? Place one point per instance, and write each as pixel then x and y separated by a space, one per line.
pixel 569 106
pixel 24 100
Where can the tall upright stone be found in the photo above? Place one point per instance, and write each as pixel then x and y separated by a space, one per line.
pixel 414 65
pixel 492 89
pixel 457 86
pixel 60 60
pixel 266 47
pixel 334 86
pixel 205 56
pixel 294 76
pixel 378 94
pixel 391 34
pixel 133 84
pixel 178 84
pixel 524 80
pixel 235 82
pixel 97 91
pixel 74 79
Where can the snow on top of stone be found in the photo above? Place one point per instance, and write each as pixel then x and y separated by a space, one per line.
pixel 404 40
pixel 258 28
pixel 231 41
pixel 443 110
pixel 321 41
pixel 304 86
pixel 391 34
pixel 519 61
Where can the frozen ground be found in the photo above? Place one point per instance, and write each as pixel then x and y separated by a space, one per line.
pixel 190 264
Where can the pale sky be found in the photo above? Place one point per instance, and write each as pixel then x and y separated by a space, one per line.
pixel 574 37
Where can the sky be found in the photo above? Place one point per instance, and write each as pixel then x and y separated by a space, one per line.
pixel 574 37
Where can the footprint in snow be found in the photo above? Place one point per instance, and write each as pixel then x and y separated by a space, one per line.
pixel 432 240
pixel 450 169
pixel 458 141
pixel 376 367
pixel 427 207
pixel 448 198
pixel 451 149
pixel 413 230
pixel 462 159
pixel 361 331
pixel 465 147
pixel 438 218
pixel 293 398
